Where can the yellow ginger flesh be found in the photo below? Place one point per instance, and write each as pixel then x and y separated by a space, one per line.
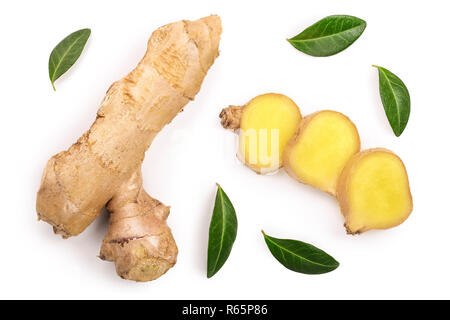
pixel 374 191
pixel 320 148
pixel 266 123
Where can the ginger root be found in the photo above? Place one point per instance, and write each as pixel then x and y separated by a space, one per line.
pixel 320 148
pixel 373 191
pixel 104 166
pixel 266 123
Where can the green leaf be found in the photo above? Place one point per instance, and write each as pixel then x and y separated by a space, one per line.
pixel 66 53
pixel 222 232
pixel 329 36
pixel 395 98
pixel 299 256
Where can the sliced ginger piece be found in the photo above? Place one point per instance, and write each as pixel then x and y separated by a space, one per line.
pixel 266 124
pixel 373 191
pixel 320 148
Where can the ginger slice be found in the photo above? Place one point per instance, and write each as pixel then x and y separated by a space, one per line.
pixel 373 191
pixel 320 148
pixel 266 124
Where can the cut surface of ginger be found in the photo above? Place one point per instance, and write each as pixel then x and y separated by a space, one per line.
pixel 320 148
pixel 267 123
pixel 374 192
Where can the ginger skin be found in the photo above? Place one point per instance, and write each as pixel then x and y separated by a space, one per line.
pixel 230 118
pixel 103 166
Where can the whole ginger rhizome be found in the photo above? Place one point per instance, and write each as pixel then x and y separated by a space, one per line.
pixel 104 166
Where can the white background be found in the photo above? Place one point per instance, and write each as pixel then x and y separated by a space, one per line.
pixel 410 38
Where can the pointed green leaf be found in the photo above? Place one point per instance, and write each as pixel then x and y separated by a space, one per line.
pixel 395 99
pixel 299 256
pixel 66 53
pixel 329 36
pixel 222 232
